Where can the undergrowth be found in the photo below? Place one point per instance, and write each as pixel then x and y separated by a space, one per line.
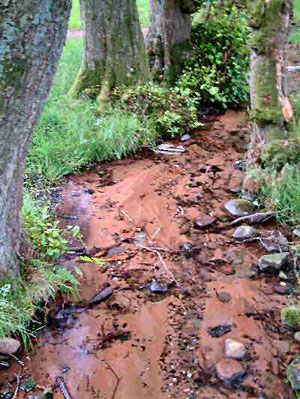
pixel 217 72
pixel 40 279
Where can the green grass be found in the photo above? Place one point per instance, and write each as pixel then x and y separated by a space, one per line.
pixel 21 297
pixel 75 20
pixel 72 134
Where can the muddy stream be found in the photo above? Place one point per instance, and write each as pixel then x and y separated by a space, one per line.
pixel 165 339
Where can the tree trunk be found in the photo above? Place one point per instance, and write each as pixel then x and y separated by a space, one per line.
pixel 169 39
pixel 32 34
pixel 270 107
pixel 114 50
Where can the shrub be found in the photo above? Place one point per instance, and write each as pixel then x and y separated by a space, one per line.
pixel 217 73
pixel 167 112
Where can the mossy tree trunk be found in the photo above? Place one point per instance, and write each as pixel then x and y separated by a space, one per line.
pixel 32 33
pixel 270 107
pixel 114 50
pixel 169 39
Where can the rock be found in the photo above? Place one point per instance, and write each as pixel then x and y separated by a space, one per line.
pixel 275 243
pixel 296 233
pixel 9 346
pixel 246 270
pixel 283 276
pixel 239 207
pixel 186 247
pixel 248 197
pixel 224 297
pixel 158 288
pixel 234 349
pixel 229 370
pixel 293 374
pixel 297 336
pixel 283 288
pixel 101 296
pixel 240 165
pixel 236 190
pixel 141 238
pixel 170 149
pixel 205 221
pixel 244 232
pixel 185 137
pixel 273 263
pixel 220 330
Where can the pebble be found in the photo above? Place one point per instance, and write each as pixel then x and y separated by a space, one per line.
pixel 283 276
pixel 205 221
pixel 245 232
pixel 240 165
pixel 297 336
pixel 220 330
pixel 224 297
pixel 228 370
pixel 9 346
pixel 186 246
pixel 296 233
pixel 234 349
pixel 276 243
pixel 185 137
pixel 293 374
pixel 273 263
pixel 239 207
pixel 283 288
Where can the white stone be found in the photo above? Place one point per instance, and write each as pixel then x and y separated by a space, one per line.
pixel 234 349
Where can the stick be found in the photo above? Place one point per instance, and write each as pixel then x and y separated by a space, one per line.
pixel 117 378
pixel 128 216
pixel 19 361
pixel 162 262
pixel 17 387
pixel 255 218
pixel 63 388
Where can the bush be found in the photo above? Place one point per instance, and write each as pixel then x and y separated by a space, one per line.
pixel 166 112
pixel 217 73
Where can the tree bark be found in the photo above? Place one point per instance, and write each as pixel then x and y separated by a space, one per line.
pixel 114 50
pixel 169 39
pixel 32 34
pixel 270 107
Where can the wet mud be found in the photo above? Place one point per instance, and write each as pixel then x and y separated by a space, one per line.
pixel 178 291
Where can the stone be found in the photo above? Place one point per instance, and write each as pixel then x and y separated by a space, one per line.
pixel 296 233
pixel 236 190
pixel 234 349
pixel 275 243
pixel 240 165
pixel 245 232
pixel 239 207
pixel 273 263
pixel 246 270
pixel 224 297
pixel 186 246
pixel 297 336
pixel 205 221
pixel 283 288
pixel 293 374
pixel 9 346
pixel 185 137
pixel 220 330
pixel 248 197
pixel 229 370
pixel 283 276
pixel 158 287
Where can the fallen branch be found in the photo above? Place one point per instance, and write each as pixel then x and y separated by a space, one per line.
pixel 17 387
pixel 128 216
pixel 255 218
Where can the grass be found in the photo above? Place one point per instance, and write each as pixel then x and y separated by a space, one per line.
pixel 71 133
pixel 22 297
pixel 75 20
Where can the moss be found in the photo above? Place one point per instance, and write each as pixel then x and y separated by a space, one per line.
pixel 178 53
pixel 88 81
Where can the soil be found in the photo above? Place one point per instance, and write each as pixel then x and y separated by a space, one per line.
pixel 138 215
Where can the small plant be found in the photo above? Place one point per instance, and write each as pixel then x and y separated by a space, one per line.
pixel 291 316
pixel 217 73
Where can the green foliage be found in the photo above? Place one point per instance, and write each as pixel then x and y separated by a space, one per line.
pixel 291 316
pixel 41 278
pixel 166 111
pixel 281 152
pixel 217 72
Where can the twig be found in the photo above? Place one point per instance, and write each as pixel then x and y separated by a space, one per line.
pixel 17 387
pixel 63 388
pixel 255 218
pixel 128 216
pixel 161 261
pixel 19 361
pixel 117 378
pixel 155 234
